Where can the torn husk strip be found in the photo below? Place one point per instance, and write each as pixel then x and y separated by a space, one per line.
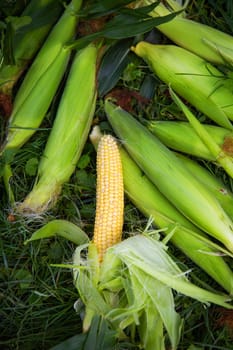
pixel 181 136
pixel 221 157
pixel 61 228
pixel 148 255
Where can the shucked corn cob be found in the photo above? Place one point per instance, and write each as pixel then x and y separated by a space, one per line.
pixel 109 196
pixel 27 40
pixel 68 135
pixel 205 41
pixel 192 78
pixel 172 178
pixel 41 81
pixel 187 237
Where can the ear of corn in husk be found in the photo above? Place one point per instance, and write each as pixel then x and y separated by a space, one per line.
pixel 171 177
pixel 205 41
pixel 214 184
pixel 136 273
pixel 130 273
pixel 181 136
pixel 193 78
pixel 222 158
pixel 27 40
pixel 185 235
pixel 41 81
pixel 144 257
pixel 68 135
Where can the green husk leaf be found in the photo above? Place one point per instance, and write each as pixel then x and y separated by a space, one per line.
pixel 61 228
pixel 221 157
pixel 150 256
pixel 161 297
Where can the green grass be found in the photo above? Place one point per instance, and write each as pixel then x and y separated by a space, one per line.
pixel 37 299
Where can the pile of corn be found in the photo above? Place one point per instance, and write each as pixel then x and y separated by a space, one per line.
pixel 130 282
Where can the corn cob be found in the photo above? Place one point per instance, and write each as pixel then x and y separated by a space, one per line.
pixel 109 196
pixel 196 80
pixel 153 204
pixel 68 135
pixel 172 178
pixel 28 39
pixel 41 81
pixel 207 42
pixel 181 136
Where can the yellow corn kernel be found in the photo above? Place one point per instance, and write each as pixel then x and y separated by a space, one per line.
pixel 109 196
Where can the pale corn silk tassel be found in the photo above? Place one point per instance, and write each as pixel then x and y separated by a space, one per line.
pixel 109 196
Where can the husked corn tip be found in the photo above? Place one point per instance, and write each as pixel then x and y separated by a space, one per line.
pixel 109 196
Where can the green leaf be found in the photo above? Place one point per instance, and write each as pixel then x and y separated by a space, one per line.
pixel 84 160
pixel 13 23
pixel 8 44
pixel 102 8
pixel 151 324
pixel 18 22
pixel 126 26
pixel 161 297
pixel 2 25
pixel 123 26
pixel 148 87
pixel 141 12
pixel 101 335
pixel 61 228
pixel 73 343
pixel 90 295
pixel 112 65
pixel 31 166
pixel 24 278
pixel 85 179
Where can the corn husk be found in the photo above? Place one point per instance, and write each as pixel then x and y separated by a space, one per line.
pixel 41 82
pixel 205 41
pixel 171 177
pixel 40 16
pixel 68 135
pixel 192 78
pixel 181 136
